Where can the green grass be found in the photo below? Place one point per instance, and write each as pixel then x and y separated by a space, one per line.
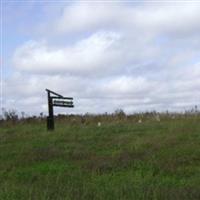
pixel 119 160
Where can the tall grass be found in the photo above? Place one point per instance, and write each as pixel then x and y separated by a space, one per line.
pixel 121 159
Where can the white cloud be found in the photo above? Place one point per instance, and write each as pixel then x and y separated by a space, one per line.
pixel 86 56
pixel 102 53
pixel 169 18
pixel 85 16
pixel 128 86
pixel 124 56
pixel 131 93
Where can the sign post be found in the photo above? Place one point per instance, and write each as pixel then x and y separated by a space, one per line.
pixel 55 99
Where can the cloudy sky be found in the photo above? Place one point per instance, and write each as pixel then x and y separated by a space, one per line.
pixel 133 55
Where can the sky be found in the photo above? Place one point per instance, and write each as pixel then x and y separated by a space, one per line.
pixel 132 55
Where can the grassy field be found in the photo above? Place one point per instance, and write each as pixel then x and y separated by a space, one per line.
pixel 121 159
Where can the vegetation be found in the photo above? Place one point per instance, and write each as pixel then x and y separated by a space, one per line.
pixel 104 157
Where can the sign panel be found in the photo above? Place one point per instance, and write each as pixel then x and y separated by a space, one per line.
pixel 63 103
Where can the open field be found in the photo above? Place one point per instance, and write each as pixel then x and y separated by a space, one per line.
pixel 121 159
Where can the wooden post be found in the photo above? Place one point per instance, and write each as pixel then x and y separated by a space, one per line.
pixel 50 118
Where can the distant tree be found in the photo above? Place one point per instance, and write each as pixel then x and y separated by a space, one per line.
pixel 120 113
pixel 10 115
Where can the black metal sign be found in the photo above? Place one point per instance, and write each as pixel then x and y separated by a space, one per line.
pixel 55 99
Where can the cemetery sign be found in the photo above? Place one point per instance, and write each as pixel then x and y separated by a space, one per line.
pixel 55 99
